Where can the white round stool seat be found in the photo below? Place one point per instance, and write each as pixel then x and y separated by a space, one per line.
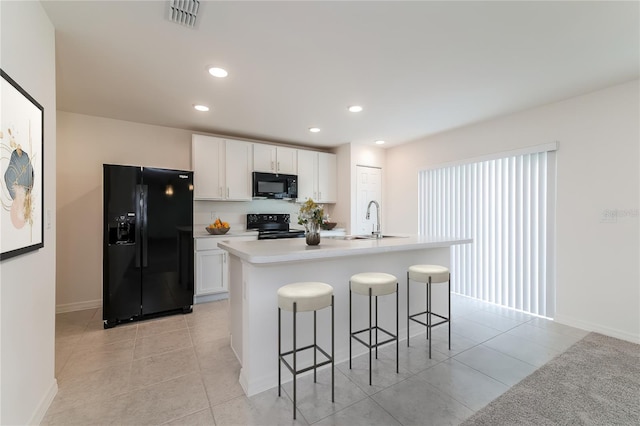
pixel 380 283
pixel 438 274
pixel 308 296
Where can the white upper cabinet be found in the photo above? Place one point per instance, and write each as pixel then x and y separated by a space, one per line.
pixel 274 159
pixel 238 170
pixel 208 164
pixel 307 175
pixel 264 158
pixel 222 169
pixel 286 160
pixel 317 176
pixel 327 178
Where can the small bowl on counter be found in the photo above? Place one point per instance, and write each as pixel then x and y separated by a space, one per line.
pixel 217 231
pixel 328 225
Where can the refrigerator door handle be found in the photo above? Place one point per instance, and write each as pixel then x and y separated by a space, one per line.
pixel 143 204
pixel 138 205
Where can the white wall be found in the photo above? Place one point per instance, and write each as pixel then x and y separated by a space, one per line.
pixel 27 282
pixel 85 143
pixel 598 280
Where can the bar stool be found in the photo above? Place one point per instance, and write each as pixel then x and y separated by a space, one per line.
pixel 429 274
pixel 304 297
pixel 373 284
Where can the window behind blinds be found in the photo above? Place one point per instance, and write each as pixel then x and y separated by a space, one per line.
pixel 507 205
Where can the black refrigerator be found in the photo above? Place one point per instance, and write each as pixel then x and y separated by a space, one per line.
pixel 147 244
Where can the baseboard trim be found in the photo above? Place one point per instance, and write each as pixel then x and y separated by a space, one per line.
pixel 78 306
pixel 44 404
pixel 97 303
pixel 210 298
pixel 598 328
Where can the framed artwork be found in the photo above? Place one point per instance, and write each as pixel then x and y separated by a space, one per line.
pixel 21 170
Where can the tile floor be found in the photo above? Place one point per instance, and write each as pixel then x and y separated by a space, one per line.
pixel 180 370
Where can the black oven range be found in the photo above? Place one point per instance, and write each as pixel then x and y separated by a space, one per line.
pixel 272 226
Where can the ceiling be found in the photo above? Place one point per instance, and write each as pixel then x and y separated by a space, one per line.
pixel 417 68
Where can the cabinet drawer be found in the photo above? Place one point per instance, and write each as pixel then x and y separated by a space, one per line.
pixel 211 243
pixel 207 243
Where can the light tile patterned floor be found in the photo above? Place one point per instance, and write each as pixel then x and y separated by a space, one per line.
pixel 180 370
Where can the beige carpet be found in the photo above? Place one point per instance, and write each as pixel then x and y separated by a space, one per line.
pixel 595 382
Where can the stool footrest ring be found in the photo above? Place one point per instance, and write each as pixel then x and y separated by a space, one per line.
pixel 319 364
pixel 426 312
pixel 304 370
pixel 374 345
pixel 430 326
pixel 444 319
pixel 392 336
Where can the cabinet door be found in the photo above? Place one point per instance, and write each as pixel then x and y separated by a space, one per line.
pixel 211 272
pixel 238 170
pixel 286 160
pixel 264 158
pixel 327 179
pixel 208 163
pixel 307 175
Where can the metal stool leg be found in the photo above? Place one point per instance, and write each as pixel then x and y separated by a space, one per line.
pixel 429 315
pixel 295 367
pixel 315 352
pixel 279 351
pixel 408 312
pixel 370 336
pixel 449 316
pixel 376 327
pixel 350 327
pixel 333 385
pixel 426 299
pixel 397 330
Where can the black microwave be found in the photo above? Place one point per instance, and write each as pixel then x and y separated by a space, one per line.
pixel 272 185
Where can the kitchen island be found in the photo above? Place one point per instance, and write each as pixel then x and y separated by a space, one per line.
pixel 258 268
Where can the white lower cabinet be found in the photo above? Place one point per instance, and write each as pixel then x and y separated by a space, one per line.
pixel 211 267
pixel 211 272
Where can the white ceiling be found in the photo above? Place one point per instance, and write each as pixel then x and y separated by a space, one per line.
pixel 417 68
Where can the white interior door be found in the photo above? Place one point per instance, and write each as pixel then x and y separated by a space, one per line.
pixel 368 187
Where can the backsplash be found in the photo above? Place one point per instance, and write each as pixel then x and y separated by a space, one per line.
pixel 235 212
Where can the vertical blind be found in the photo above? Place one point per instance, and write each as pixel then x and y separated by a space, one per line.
pixel 507 206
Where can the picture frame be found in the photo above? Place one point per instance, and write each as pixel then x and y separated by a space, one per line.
pixel 21 170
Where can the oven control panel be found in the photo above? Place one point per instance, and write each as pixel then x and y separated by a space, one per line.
pixel 258 220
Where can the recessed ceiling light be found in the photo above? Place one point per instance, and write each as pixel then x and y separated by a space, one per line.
pixel 202 108
pixel 355 108
pixel 218 72
pixel 380 142
pixel 314 129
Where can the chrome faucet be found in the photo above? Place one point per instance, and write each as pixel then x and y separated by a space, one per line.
pixel 375 233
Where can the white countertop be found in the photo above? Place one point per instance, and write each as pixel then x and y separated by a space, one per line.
pixel 200 232
pixel 295 249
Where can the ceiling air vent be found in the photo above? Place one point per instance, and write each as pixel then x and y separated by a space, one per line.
pixel 184 11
